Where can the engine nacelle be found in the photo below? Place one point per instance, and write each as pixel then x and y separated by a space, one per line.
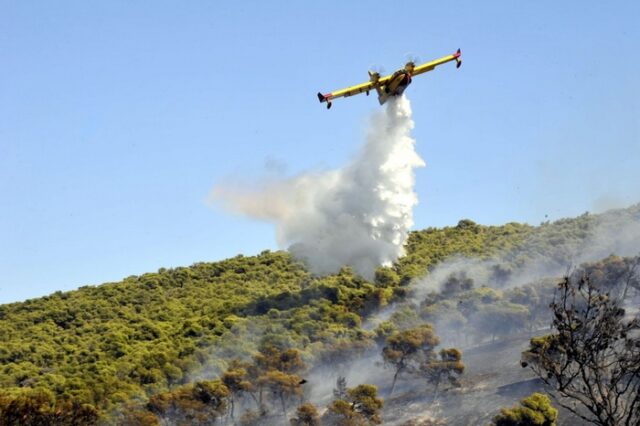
pixel 374 76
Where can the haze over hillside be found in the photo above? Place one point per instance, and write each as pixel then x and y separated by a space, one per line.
pixel 118 344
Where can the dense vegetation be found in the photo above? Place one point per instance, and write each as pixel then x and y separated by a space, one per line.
pixel 105 347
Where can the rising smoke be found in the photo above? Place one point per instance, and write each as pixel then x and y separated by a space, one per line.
pixel 358 215
pixel 615 232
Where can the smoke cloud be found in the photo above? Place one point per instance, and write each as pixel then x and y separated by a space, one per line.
pixel 358 215
pixel 615 232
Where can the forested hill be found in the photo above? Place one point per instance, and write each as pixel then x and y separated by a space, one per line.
pixel 100 348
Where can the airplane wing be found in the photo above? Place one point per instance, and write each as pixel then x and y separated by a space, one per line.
pixel 430 66
pixel 349 91
pixel 353 90
pixel 366 87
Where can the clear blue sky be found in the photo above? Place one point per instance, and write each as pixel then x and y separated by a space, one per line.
pixel 118 117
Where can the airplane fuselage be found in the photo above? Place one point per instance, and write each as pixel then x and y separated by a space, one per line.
pixel 396 86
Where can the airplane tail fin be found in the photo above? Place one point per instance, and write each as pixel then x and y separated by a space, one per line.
pixel 458 60
pixel 324 98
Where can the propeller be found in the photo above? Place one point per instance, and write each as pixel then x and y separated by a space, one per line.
pixel 375 72
pixel 377 69
pixel 411 57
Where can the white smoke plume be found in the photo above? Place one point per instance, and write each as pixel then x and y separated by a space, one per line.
pixel 358 215
pixel 615 232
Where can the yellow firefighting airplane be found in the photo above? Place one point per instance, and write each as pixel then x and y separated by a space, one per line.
pixel 391 85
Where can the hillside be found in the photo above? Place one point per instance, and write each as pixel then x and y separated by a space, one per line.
pixel 118 344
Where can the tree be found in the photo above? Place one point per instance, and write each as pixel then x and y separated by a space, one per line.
pixel 406 348
pixel 137 417
pixel 447 368
pixel 306 415
pixel 234 380
pixel 386 277
pixel 613 274
pixel 499 318
pixel 282 385
pixel 535 410
pixel 364 400
pixel 456 283
pixel 593 359
pixel 197 404
pixel 340 391
pixel 537 298
pixel 276 369
pixel 361 407
pixel 272 358
pixel 341 413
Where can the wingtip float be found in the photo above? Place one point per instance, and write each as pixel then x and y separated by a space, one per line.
pixel 390 85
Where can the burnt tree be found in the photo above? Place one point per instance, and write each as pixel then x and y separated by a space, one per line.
pixel 593 359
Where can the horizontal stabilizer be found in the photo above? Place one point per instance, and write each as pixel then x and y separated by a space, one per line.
pixel 325 98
